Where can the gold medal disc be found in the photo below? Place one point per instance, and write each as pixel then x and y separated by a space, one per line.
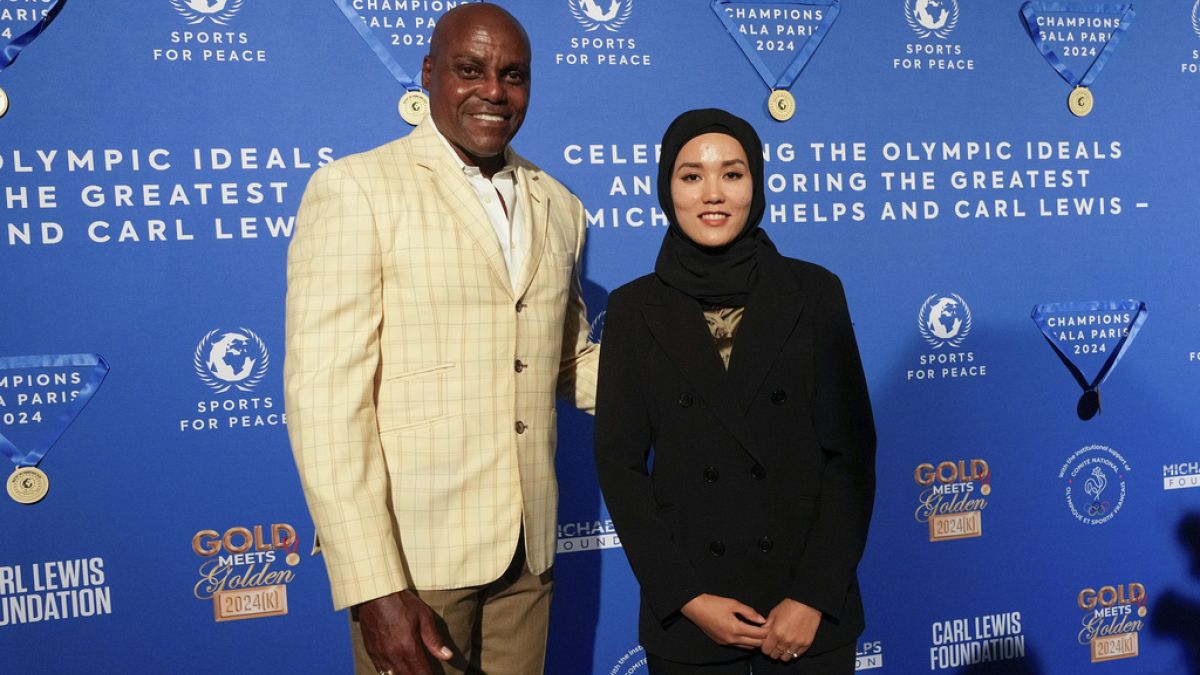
pixel 1080 102
pixel 781 105
pixel 414 106
pixel 292 559
pixel 28 485
pixel 3 103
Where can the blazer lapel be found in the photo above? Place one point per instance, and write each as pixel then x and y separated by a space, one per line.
pixel 452 186
pixel 677 323
pixel 772 310
pixel 537 218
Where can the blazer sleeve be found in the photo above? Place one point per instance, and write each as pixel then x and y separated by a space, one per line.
pixel 846 431
pixel 580 361
pixel 333 317
pixel 623 438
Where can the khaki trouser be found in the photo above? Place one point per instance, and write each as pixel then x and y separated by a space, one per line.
pixel 494 629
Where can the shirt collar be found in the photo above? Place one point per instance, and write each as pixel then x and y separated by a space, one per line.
pixel 472 170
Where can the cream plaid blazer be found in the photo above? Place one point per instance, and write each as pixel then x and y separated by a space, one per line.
pixel 419 386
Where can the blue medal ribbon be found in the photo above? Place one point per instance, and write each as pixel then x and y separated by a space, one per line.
pixel 13 49
pixel 1030 10
pixel 385 56
pixel 1041 313
pixel 55 429
pixel 803 55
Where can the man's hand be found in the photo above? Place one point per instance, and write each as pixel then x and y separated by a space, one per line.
pixel 400 632
pixel 790 629
pixel 726 621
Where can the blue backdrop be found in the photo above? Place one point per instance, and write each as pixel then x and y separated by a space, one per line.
pixel 153 157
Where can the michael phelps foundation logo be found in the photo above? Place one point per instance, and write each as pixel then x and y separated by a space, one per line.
pixel 226 360
pixel 238 574
pixel 931 17
pixel 1095 489
pixel 1109 627
pixel 953 499
pixel 220 12
pixel 868 655
pixel 592 16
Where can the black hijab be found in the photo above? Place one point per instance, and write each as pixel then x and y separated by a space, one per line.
pixel 720 275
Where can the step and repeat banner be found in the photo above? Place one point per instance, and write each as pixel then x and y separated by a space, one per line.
pixel 1008 191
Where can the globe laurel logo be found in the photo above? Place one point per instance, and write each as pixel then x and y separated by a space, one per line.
pixel 228 359
pixel 591 16
pixel 1196 18
pixel 931 17
pixel 944 320
pixel 596 330
pixel 219 12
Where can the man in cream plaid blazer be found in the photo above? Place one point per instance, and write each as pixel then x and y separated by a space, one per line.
pixel 433 312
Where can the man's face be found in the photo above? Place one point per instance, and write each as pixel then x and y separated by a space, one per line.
pixel 478 80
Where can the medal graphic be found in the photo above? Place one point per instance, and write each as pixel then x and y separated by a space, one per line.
pixel 10 51
pixel 45 395
pixel 413 105
pixel 1092 336
pixel 788 32
pixel 1048 27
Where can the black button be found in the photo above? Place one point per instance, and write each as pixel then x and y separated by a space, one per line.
pixel 778 396
pixel 685 400
pixel 518 366
pixel 757 472
pixel 520 427
pixel 711 474
pixel 717 548
pixel 520 305
pixel 765 544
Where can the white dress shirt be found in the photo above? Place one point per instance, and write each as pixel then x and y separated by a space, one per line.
pixel 509 226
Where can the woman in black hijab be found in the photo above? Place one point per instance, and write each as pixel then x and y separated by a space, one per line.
pixel 734 439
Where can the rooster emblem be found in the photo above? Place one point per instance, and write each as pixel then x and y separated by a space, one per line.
pixel 219 12
pixel 1095 483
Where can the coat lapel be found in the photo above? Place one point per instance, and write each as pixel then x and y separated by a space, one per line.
pixel 452 186
pixel 774 306
pixel 537 218
pixel 677 323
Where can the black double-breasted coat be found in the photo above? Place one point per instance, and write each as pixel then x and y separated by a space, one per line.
pixel 755 482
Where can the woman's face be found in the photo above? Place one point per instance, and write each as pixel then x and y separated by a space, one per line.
pixel 712 189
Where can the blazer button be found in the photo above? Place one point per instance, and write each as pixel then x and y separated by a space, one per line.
pixel 757 472
pixel 765 544
pixel 520 305
pixel 711 474
pixel 778 396
pixel 520 427
pixel 518 366
pixel 717 548
pixel 685 400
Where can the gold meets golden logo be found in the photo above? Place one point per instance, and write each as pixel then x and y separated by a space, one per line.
pixel 1114 615
pixel 954 497
pixel 239 573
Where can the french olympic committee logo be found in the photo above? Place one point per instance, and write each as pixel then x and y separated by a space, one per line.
pixel 931 17
pixel 228 359
pixel 220 12
pixel 1095 489
pixel 944 320
pixel 589 14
